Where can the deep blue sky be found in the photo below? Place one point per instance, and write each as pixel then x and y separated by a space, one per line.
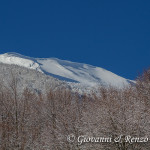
pixel 111 34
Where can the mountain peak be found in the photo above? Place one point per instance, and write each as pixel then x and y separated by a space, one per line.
pixel 66 70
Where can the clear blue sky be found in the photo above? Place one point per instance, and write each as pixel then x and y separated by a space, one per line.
pixel 111 34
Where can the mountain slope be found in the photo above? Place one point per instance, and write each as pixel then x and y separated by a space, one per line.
pixel 78 74
pixel 28 78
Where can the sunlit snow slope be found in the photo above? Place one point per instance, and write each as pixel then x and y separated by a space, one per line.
pixel 84 74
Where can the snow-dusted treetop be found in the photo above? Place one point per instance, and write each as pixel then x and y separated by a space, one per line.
pixel 84 74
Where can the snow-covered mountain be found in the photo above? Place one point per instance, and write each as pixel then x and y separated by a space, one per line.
pixel 75 74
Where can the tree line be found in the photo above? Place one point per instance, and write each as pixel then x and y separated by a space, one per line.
pixel 43 121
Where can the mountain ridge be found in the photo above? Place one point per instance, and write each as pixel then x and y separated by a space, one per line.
pixel 72 72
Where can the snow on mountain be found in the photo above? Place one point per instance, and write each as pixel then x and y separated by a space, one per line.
pixel 20 60
pixel 78 74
